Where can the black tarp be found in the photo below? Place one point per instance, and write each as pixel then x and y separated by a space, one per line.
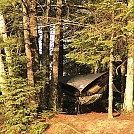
pixel 81 85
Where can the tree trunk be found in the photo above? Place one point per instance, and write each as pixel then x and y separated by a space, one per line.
pixel 3 34
pixel 34 34
pixel 45 60
pixel 61 54
pixel 110 106
pixel 2 74
pixel 129 92
pixel 2 71
pixel 128 98
pixel 110 99
pixel 56 55
pixel 123 79
pixel 28 52
pixel 7 48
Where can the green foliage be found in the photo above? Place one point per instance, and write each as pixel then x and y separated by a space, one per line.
pixel 38 127
pixel 19 101
pixel 17 105
pixel 8 4
pixel 92 42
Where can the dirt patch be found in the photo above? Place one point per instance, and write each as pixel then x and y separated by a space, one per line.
pixel 91 123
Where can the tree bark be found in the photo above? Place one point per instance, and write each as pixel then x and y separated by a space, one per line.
pixel 6 48
pixel 128 98
pixel 56 55
pixel 61 54
pixel 45 60
pixel 110 100
pixel 110 104
pixel 2 74
pixel 123 79
pixel 28 52
pixel 3 34
pixel 34 34
pixel 2 71
pixel 129 92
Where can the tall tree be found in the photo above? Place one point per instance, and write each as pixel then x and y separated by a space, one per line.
pixel 15 101
pixel 34 33
pixel 55 73
pixel 45 56
pixel 7 49
pixel 93 43
pixel 111 60
pixel 30 74
pixel 110 98
pixel 61 53
pixel 129 91
pixel 89 45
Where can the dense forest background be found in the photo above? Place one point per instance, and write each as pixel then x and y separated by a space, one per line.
pixel 41 40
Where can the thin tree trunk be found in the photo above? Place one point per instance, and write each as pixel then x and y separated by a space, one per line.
pixel 55 67
pixel 56 55
pixel 2 71
pixel 28 52
pixel 110 106
pixel 2 74
pixel 60 93
pixel 45 58
pixel 123 79
pixel 61 54
pixel 110 100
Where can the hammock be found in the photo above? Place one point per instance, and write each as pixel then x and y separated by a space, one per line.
pixel 86 100
pixel 84 89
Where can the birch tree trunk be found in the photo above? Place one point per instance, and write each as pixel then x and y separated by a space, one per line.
pixel 56 55
pixel 28 52
pixel 128 98
pixel 7 49
pixel 3 34
pixel 129 92
pixel 2 71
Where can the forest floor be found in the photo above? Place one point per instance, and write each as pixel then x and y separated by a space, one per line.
pixel 91 123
